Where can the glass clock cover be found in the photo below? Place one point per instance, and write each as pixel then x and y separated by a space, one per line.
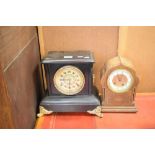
pixel 69 80
pixel 120 80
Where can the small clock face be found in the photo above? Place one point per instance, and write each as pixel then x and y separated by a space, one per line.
pixel 120 81
pixel 69 80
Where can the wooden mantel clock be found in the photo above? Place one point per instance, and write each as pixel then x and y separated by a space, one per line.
pixel 119 82
pixel 70 83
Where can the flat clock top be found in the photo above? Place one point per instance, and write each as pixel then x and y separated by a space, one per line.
pixel 120 80
pixel 69 80
pixel 69 57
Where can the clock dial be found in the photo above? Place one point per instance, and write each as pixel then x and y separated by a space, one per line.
pixel 69 80
pixel 120 81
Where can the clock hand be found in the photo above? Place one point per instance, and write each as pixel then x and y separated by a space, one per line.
pixel 119 77
pixel 69 83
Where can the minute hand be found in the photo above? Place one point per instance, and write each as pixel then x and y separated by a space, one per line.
pixel 69 83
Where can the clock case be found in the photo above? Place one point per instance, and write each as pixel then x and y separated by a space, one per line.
pixel 54 101
pixel 118 102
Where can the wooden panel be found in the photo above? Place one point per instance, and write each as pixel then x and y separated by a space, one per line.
pixel 20 58
pixel 42 51
pixel 138 44
pixel 13 39
pixel 23 84
pixel 101 40
pixel 6 120
pixel 41 41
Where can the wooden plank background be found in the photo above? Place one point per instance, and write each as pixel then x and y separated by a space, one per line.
pixel 134 42
pixel 138 44
pixel 101 40
pixel 6 119
pixel 20 61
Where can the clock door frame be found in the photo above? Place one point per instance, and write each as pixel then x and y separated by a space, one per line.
pixel 86 68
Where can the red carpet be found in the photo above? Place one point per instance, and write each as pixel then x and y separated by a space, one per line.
pixel 67 121
pixel 143 119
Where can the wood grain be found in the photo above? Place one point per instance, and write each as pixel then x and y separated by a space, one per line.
pixel 6 120
pixel 13 39
pixel 42 51
pixel 20 58
pixel 41 41
pixel 23 84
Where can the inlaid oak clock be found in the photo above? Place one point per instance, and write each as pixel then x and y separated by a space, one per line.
pixel 69 79
pixel 119 82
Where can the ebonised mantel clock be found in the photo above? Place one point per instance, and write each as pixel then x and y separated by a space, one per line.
pixel 69 79
pixel 119 82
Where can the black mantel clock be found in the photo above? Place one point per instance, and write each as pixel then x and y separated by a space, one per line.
pixel 70 83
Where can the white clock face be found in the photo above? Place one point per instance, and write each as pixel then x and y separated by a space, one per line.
pixel 69 80
pixel 120 80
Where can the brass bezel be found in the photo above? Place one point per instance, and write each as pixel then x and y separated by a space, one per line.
pixel 119 92
pixel 75 69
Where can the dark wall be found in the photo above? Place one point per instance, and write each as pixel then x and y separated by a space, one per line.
pixel 20 63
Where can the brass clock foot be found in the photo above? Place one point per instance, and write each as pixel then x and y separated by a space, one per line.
pixel 43 111
pixel 97 111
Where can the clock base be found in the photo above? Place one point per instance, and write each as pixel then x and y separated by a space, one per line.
pixel 80 103
pixel 119 109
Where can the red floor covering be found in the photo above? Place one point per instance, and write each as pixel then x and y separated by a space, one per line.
pixel 143 119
